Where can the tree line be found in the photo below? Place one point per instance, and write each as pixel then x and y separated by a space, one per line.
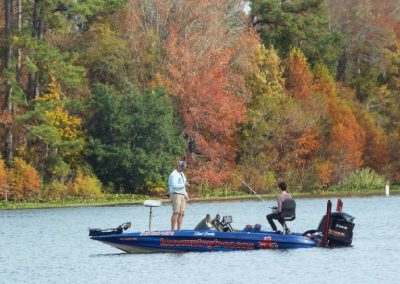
pixel 106 95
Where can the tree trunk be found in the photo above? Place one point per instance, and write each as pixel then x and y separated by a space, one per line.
pixel 19 27
pixel 341 69
pixel 8 49
pixel 8 145
pixel 37 32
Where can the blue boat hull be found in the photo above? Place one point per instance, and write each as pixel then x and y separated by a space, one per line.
pixel 207 240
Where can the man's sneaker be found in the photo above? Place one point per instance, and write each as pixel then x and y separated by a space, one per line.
pixel 288 231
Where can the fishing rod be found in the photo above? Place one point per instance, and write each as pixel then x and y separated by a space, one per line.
pixel 251 189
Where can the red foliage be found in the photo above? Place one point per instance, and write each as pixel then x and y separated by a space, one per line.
pixel 211 113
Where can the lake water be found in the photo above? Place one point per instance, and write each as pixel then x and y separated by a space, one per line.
pixel 52 246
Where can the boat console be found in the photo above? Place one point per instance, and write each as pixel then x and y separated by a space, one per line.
pixel 216 224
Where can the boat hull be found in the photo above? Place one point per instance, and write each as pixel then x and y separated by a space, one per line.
pixel 190 240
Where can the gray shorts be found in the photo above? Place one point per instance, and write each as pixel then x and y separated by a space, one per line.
pixel 178 203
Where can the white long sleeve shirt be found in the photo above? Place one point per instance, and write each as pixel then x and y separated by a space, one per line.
pixel 177 183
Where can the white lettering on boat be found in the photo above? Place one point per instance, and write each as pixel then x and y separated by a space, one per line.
pixel 204 234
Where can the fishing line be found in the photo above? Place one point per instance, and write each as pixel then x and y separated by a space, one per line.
pixel 251 189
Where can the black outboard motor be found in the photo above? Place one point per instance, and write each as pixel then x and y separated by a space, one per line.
pixel 340 229
pixel 336 231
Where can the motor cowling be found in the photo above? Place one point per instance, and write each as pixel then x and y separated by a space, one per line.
pixel 340 229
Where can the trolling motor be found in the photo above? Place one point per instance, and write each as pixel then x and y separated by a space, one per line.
pixel 111 231
pixel 335 228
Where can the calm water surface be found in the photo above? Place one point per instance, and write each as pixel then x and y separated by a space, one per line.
pixel 52 246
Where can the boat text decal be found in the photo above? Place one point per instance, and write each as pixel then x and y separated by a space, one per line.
pixel 204 234
pixel 128 239
pixel 204 243
pixel 156 233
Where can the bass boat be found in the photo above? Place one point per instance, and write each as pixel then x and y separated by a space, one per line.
pixel 334 230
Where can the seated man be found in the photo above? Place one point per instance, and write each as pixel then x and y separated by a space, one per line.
pixel 277 213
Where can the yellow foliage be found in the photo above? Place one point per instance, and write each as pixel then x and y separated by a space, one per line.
pixel 85 186
pixel 54 190
pixel 54 93
pixel 66 124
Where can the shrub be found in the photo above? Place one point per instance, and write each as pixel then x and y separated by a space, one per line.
pixel 54 190
pixel 23 180
pixel 362 179
pixel 85 186
pixel 2 178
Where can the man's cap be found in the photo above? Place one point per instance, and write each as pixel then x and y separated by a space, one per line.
pixel 181 165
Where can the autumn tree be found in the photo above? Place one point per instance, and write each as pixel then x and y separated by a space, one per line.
pixel 105 53
pixel 55 141
pixel 196 50
pixel 346 137
pixel 298 75
pixel 258 156
pixel 368 28
pixel 385 109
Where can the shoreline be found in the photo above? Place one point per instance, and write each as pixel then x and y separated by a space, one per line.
pixel 133 200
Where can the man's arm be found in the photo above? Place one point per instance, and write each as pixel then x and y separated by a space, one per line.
pixel 279 200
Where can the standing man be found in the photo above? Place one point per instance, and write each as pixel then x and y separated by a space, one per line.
pixel 277 213
pixel 177 190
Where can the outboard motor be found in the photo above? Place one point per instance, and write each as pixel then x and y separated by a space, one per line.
pixel 340 229
pixel 336 231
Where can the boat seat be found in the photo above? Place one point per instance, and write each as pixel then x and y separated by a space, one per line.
pixel 257 228
pixel 204 224
pixel 216 223
pixel 288 213
pixel 248 228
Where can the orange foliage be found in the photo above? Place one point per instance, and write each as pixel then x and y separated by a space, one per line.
pixel 202 65
pixel 2 176
pixel 324 173
pixel 394 146
pixel 211 115
pixel 376 150
pixel 23 180
pixel 306 148
pixel 346 139
pixel 298 75
pixel 346 146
